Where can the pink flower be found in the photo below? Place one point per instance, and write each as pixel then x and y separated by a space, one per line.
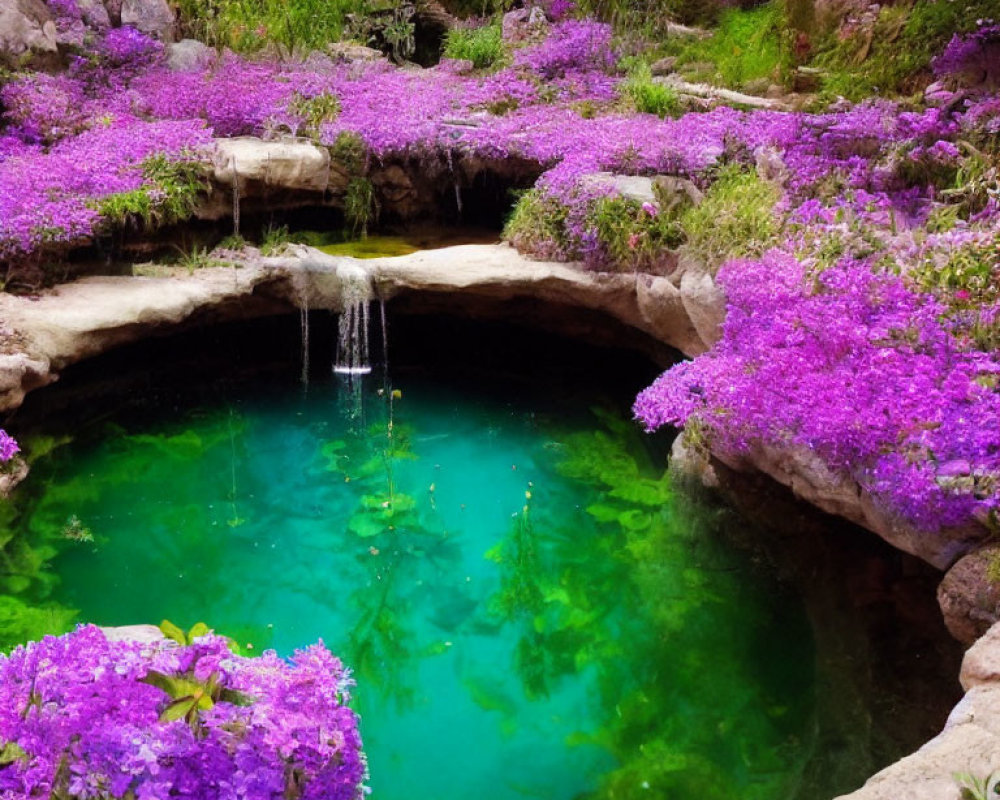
pixel 651 208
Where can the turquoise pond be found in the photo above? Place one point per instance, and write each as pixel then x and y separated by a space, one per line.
pixel 528 606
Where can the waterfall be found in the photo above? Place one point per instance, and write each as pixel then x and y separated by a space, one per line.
pixel 304 325
pixel 352 327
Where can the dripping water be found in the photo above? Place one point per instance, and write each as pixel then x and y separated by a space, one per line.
pixel 352 328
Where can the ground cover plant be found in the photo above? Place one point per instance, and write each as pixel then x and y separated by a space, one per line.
pixel 858 247
pixel 81 716
pixel 871 204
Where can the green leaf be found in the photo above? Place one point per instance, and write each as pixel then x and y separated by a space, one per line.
pixel 179 709
pixel 365 525
pixel 198 629
pixel 171 631
pixel 12 752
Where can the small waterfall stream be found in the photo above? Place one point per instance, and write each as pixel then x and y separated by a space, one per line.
pixel 352 356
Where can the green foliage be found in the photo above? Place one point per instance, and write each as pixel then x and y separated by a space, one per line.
pixel 360 205
pixel 746 46
pixel 647 96
pixel 387 25
pixel 635 239
pixel 537 224
pixel 975 788
pixel 894 56
pixel 21 621
pixel 736 219
pixel 482 46
pixel 198 258
pixel 350 152
pixel 251 25
pixel 275 239
pixel 170 194
pixel 314 111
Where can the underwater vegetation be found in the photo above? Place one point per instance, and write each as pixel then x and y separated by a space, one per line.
pixel 528 579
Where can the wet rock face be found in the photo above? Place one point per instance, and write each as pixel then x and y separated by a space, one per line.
pixel 969 595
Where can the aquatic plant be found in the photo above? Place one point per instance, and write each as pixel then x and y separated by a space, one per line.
pixel 85 717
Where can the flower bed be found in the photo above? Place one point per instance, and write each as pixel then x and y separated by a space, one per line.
pixel 84 717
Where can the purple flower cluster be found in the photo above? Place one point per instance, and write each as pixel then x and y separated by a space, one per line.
pixel 856 367
pixel 83 717
pixel 572 46
pixel 8 446
pixel 971 55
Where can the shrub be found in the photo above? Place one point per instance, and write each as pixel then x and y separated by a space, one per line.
pixel 649 97
pixel 482 46
pixel 537 226
pixel 735 219
pixel 85 717
pixel 632 236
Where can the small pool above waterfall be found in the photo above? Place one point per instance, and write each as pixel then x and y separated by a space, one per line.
pixel 483 535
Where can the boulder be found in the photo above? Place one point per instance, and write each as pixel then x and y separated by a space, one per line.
pixel 188 55
pixel 524 24
pixel 26 29
pixel 969 744
pixel 981 664
pixel 704 304
pixel 94 13
pixel 969 597
pixel 259 165
pixel 144 634
pixel 664 66
pixel 154 17
pixel 353 53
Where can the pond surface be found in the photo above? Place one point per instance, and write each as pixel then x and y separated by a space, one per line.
pixel 529 608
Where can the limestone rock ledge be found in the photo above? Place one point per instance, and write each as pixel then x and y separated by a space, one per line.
pixel 808 477
pixel 969 743
pixel 74 321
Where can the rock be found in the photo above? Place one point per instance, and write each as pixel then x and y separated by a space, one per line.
pixel 13 472
pixel 673 192
pixel 352 53
pixel 395 188
pixel 937 94
pixel 981 664
pixel 801 470
pixel 661 307
pixel 969 598
pixel 664 66
pixel 189 55
pixel 290 163
pixel 632 187
pixel 114 8
pixel 19 374
pixel 704 304
pixel 523 24
pixel 144 634
pixel 95 15
pixel 807 79
pixel 757 86
pixel 687 463
pixel 968 744
pixel 26 29
pixel 154 17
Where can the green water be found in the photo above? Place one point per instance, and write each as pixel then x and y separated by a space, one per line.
pixel 395 244
pixel 529 610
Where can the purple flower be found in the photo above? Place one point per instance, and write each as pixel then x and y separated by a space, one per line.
pixel 8 446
